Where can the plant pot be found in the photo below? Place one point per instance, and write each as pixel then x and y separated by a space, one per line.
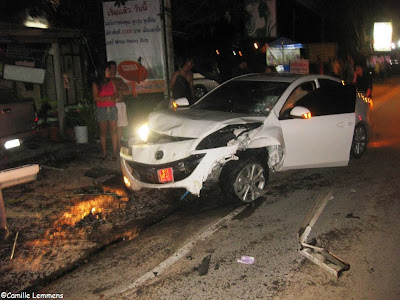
pixel 55 134
pixel 81 134
pixel 70 134
pixel 43 133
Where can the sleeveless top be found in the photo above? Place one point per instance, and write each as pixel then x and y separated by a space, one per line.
pixel 105 91
pixel 182 89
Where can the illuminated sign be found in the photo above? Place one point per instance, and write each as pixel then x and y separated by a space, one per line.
pixel 382 36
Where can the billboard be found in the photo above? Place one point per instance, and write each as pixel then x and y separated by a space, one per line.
pixel 382 36
pixel 262 20
pixel 134 40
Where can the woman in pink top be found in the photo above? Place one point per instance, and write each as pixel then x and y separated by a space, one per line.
pixel 105 94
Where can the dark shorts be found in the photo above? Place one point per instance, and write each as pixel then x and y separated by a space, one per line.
pixel 106 114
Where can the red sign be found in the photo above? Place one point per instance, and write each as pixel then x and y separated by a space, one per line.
pixel 132 71
pixel 165 175
pixel 300 66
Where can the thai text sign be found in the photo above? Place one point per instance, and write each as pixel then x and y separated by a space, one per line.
pixel 133 34
pixel 300 66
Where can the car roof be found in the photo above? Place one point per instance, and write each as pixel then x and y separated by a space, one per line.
pixel 277 77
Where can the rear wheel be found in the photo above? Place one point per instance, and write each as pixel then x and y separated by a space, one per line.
pixel 244 180
pixel 360 139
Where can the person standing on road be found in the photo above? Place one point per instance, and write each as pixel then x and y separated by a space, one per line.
pixel 120 103
pixel 105 93
pixel 181 83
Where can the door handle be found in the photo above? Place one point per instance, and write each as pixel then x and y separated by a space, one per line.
pixel 344 124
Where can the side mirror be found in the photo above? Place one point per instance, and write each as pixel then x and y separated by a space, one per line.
pixel 178 103
pixel 182 102
pixel 300 112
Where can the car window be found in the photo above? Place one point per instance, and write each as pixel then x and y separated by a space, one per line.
pixel 330 100
pixel 239 96
pixel 326 83
pixel 298 93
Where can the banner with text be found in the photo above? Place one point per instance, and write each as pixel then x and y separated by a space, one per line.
pixel 134 41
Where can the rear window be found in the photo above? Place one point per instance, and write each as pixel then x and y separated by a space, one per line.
pixel 330 100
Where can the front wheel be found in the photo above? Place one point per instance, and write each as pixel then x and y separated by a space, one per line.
pixel 360 139
pixel 244 180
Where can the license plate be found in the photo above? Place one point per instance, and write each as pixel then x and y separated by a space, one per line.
pixel 165 175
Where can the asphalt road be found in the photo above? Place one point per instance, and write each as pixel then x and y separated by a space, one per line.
pixel 193 254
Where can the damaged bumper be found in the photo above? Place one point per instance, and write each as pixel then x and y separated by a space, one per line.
pixel 141 165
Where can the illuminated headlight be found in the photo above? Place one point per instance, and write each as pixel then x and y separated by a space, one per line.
pixel 143 132
pixel 12 144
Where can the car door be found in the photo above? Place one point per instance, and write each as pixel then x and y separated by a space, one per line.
pixel 324 140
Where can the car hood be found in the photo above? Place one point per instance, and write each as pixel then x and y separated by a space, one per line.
pixel 194 123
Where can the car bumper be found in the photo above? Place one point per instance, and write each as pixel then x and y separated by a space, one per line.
pixel 189 172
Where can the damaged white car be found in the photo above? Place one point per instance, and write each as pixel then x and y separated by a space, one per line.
pixel 243 129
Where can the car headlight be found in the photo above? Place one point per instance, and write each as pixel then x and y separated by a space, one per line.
pixel 221 137
pixel 143 132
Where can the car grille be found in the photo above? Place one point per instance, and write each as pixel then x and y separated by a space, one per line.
pixel 181 169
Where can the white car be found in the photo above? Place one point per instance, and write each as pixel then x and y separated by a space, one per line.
pixel 202 85
pixel 245 127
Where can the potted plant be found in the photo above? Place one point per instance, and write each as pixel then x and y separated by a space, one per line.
pixel 44 114
pixel 82 118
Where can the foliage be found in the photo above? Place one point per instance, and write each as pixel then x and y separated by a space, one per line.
pixel 82 114
pixel 46 111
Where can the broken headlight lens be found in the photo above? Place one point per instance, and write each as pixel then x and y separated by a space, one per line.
pixel 221 137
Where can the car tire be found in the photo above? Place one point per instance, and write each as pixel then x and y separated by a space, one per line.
pixel 360 140
pixel 244 180
pixel 199 91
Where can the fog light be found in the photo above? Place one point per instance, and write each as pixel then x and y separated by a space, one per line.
pixel 127 182
pixel 12 144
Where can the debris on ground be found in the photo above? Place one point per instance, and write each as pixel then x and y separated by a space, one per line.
pixel 317 255
pixel 205 264
pixel 247 260
pixel 351 215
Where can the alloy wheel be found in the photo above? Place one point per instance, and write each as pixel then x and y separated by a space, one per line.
pixel 359 143
pixel 250 182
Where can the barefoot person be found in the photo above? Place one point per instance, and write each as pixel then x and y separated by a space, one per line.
pixel 105 94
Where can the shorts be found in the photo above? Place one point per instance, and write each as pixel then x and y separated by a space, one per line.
pixel 122 116
pixel 106 114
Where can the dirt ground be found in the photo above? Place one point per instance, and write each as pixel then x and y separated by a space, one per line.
pixel 76 206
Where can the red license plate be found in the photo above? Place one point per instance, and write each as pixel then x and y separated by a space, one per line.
pixel 165 175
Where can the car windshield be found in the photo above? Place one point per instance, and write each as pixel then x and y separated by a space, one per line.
pixel 247 97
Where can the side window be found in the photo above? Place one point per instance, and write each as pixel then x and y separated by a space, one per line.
pixel 297 94
pixel 330 100
pixel 327 83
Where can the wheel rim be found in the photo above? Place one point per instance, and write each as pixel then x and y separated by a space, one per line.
pixel 250 182
pixel 199 92
pixel 359 140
